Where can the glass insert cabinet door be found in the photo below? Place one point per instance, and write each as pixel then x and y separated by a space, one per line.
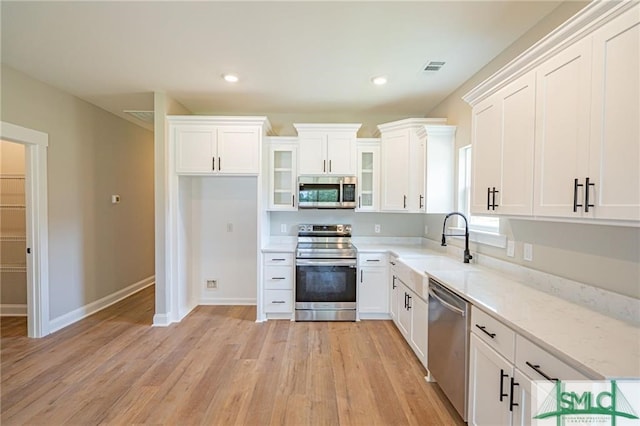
pixel 283 178
pixel 368 167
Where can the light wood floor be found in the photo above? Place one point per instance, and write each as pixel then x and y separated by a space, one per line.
pixel 215 367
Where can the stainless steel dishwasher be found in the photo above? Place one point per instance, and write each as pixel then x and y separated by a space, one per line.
pixel 448 361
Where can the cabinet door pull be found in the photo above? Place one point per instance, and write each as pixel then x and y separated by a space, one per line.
pixel 409 302
pixel 373 260
pixel 361 271
pixel 219 164
pixel 324 166
pixel 502 376
pixel 575 195
pixel 293 201
pixel 537 369
pixel 420 201
pixel 392 263
pixel 278 301
pixel 405 201
pixel 213 163
pixel 405 300
pixel 586 195
pixel 493 201
pixel 393 282
pixel 488 198
pixel 484 330
pixel 512 393
pixel 359 201
pixel 329 166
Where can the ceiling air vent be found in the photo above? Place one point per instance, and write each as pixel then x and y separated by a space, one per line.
pixel 434 66
pixel 146 116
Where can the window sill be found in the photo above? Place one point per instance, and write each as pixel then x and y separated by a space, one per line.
pixel 482 237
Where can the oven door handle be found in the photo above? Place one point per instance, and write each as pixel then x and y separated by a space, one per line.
pixel 327 262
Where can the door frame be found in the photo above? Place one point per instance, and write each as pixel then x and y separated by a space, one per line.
pixel 36 144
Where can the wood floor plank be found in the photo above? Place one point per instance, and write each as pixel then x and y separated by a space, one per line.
pixel 216 367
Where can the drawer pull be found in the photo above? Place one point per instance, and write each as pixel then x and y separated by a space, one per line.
pixel 278 278
pixel 502 376
pixel 278 260
pixel 373 260
pixel 536 368
pixel 483 328
pixel 279 301
pixel 511 403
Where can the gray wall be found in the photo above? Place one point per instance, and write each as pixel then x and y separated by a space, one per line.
pixel 95 248
pixel 604 256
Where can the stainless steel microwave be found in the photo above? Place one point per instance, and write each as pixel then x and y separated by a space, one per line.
pixel 327 192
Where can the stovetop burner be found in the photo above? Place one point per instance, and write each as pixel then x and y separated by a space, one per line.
pixel 325 242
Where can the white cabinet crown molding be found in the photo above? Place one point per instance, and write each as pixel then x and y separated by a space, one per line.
pixel 409 123
pixel 590 18
pixel 436 130
pixel 223 120
pixel 327 127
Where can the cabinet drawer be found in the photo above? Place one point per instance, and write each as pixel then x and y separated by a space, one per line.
pixel 278 258
pixel 494 333
pixel 536 362
pixel 278 301
pixel 372 259
pixel 278 278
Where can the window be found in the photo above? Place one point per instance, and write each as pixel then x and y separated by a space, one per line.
pixel 488 224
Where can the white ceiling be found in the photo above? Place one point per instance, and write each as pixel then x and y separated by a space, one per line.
pixel 292 57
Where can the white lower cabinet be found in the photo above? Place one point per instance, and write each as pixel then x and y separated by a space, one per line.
pixel 394 289
pixel 373 291
pixel 503 368
pixel 278 276
pixel 413 319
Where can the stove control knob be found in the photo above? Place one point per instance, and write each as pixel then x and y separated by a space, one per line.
pixel 339 228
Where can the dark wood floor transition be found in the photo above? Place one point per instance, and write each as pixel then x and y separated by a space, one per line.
pixel 215 367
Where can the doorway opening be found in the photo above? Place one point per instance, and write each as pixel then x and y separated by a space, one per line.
pixel 30 207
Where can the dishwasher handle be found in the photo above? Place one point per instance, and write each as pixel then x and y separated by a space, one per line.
pixel 447 305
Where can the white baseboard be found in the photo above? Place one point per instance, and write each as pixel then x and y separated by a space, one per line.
pixel 161 320
pixel 8 310
pixel 228 301
pixel 93 307
pixel 374 316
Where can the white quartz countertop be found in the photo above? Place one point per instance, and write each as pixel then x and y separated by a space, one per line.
pixel 597 345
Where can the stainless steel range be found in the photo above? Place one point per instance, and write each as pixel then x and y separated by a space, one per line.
pixel 326 273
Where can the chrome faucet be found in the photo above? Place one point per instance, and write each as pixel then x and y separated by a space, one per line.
pixel 467 255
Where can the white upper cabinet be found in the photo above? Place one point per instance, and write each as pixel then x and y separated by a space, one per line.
pixel 503 137
pixel 368 186
pixel 562 131
pixel 417 166
pixel 327 149
pixel 217 145
pixel 614 163
pixel 283 173
pixel 583 84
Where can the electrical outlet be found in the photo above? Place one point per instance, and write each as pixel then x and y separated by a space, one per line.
pixel 115 199
pixel 511 248
pixel 229 227
pixel 376 228
pixel 283 228
pixel 212 284
pixel 528 252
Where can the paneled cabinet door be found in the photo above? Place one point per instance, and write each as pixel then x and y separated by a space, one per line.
pixel 615 128
pixel 340 154
pixel 485 150
pixel 489 382
pixel 395 292
pixel 312 158
pixel 417 155
pixel 238 150
pixel 195 148
pixel 563 87
pixel 404 314
pixel 373 292
pixel 419 327
pixel 395 173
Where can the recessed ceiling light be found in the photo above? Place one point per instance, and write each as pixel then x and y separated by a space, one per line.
pixel 379 81
pixel 230 78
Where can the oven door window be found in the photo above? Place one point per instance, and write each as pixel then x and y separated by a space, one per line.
pixel 322 193
pixel 325 284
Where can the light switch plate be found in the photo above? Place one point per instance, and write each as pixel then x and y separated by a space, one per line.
pixel 283 228
pixel 528 252
pixel 511 248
